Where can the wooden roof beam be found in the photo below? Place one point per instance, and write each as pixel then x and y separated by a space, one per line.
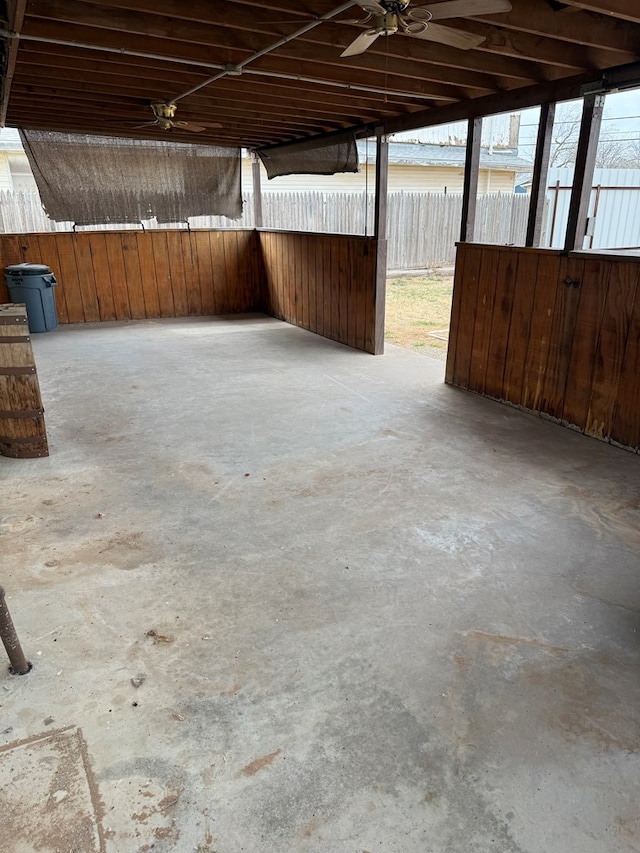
pixel 628 10
pixel 334 34
pixel 469 82
pixel 197 108
pixel 52 58
pixel 586 28
pixel 15 19
pixel 95 113
pixel 532 47
pixel 308 69
pixel 625 76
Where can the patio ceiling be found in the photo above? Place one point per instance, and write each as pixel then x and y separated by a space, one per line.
pixel 95 67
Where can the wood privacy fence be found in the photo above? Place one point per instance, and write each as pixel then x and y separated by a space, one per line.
pixel 553 334
pixel 422 227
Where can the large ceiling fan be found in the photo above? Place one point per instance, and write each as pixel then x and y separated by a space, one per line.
pixel 165 112
pixel 388 17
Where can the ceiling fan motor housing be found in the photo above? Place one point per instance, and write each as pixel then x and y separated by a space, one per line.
pixel 395 7
pixel 387 24
pixel 164 110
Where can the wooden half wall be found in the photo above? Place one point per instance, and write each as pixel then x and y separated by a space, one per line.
pixel 552 333
pixel 325 283
pixel 131 275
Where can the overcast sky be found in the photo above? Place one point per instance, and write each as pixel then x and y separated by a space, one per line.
pixel 621 119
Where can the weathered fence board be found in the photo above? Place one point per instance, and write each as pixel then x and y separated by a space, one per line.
pixel 422 227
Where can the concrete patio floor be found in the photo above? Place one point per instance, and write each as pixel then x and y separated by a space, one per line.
pixel 284 596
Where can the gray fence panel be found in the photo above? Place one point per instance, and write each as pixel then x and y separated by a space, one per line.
pixel 422 228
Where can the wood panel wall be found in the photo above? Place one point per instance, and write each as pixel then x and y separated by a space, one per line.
pixel 554 334
pixel 129 275
pixel 325 283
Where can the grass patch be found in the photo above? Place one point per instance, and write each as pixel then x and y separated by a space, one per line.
pixel 416 305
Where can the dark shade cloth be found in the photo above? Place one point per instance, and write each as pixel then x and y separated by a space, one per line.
pixel 93 180
pixel 326 156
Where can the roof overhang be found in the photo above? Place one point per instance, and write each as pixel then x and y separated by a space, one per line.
pixel 264 72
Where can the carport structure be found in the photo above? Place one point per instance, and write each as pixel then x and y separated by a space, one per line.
pixel 262 75
pixel 303 599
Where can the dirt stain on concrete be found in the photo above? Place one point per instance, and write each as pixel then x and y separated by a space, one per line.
pixel 506 640
pixel 256 765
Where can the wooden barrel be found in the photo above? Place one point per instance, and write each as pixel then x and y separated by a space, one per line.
pixel 22 430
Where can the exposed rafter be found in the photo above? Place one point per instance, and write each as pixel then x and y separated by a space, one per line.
pixel 270 71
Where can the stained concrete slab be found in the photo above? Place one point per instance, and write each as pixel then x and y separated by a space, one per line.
pixel 48 796
pixel 300 598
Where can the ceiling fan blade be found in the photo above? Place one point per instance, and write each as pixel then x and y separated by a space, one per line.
pixel 355 20
pixel 372 7
pixel 446 35
pixel 359 45
pixel 462 9
pixel 196 127
pixel 188 125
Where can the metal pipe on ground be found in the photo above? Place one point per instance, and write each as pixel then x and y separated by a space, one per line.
pixel 19 664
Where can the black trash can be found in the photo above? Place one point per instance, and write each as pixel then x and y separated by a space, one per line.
pixel 33 284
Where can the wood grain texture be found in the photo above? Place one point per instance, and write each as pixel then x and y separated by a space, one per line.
pixel 564 335
pixel 22 428
pixel 325 283
pixel 128 275
pixel 482 326
pixel 612 344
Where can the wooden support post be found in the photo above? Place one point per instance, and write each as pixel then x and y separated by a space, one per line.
pixel 380 234
pixel 540 175
pixel 257 192
pixel 592 108
pixel 470 189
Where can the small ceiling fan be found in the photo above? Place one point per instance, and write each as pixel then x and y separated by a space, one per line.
pixel 165 112
pixel 392 16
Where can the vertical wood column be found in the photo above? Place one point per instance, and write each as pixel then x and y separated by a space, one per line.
pixel 540 175
pixel 380 233
pixel 592 108
pixel 257 191
pixel 470 187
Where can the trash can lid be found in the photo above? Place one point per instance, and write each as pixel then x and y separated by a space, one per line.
pixel 27 269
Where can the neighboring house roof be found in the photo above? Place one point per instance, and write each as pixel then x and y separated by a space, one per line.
pixel 10 140
pixel 420 154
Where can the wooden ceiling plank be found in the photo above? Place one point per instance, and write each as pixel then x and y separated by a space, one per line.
pixel 532 47
pixel 15 18
pixel 195 110
pixel 333 34
pixel 309 68
pixel 139 25
pixel 220 139
pixel 628 10
pixel 32 55
pixel 586 28
pixel 278 102
pixel 95 112
pixel 95 117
